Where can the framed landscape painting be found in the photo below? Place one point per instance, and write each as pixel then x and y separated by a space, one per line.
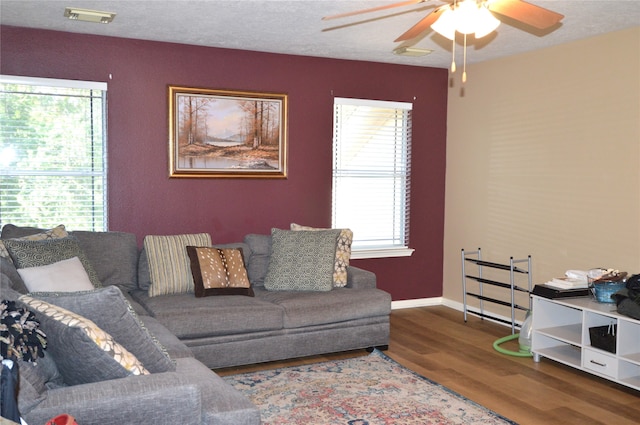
pixel 227 134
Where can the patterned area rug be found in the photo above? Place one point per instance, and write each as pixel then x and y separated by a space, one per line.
pixel 368 390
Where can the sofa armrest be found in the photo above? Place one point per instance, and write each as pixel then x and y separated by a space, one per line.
pixel 160 398
pixel 360 278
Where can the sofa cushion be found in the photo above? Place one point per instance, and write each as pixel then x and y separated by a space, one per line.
pixel 169 265
pixel 11 231
pixel 144 276
pixel 113 255
pixel 81 350
pixel 108 309
pixel 35 379
pixel 25 253
pixel 258 261
pixel 174 347
pixel 218 271
pixel 343 254
pixel 8 270
pixel 317 308
pixel 64 276
pixel 301 260
pixel 189 317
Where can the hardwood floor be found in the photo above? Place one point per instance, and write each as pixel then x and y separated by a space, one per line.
pixel 436 343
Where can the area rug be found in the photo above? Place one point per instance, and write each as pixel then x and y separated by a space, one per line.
pixel 367 390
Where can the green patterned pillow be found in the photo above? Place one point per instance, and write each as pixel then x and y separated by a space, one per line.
pixel 26 253
pixel 343 254
pixel 301 260
pixel 57 232
pixel 169 264
pixel 82 351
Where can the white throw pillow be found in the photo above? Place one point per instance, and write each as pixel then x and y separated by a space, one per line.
pixel 64 276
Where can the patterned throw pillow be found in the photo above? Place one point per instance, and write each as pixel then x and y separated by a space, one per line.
pixel 218 271
pixel 169 265
pixel 343 254
pixel 57 232
pixel 110 310
pixel 82 351
pixel 301 260
pixel 26 253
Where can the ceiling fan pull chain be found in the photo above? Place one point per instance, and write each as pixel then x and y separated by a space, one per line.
pixel 453 57
pixel 464 64
pixel 453 48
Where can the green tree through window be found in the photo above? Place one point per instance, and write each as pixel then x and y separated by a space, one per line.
pixel 52 153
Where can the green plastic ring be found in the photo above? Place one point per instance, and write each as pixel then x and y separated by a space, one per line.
pixel 497 342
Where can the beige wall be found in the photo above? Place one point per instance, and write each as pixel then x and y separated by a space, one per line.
pixel 543 159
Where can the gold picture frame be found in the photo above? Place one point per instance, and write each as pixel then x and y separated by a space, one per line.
pixel 227 134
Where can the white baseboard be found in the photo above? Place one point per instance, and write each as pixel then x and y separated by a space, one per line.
pixel 419 302
pixel 428 302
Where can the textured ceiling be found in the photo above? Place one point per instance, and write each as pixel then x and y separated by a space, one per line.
pixel 296 27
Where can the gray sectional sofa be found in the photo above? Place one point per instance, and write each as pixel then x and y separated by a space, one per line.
pixel 199 334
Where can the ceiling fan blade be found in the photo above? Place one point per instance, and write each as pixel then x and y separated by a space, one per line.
pixel 374 9
pixel 421 26
pixel 530 14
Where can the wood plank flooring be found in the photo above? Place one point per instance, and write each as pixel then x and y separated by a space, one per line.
pixel 436 343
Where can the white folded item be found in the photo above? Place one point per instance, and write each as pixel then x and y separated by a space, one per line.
pixel 567 283
pixel 577 274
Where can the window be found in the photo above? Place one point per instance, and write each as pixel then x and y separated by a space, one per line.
pixel 53 153
pixel 371 175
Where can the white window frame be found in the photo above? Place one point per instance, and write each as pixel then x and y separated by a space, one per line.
pixel 72 84
pixel 402 140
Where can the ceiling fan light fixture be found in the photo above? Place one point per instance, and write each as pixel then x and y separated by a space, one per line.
pixel 446 24
pixel 466 16
pixel 486 24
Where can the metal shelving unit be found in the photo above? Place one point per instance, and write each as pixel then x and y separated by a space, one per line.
pixel 514 301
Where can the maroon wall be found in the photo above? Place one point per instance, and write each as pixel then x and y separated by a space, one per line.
pixel 143 200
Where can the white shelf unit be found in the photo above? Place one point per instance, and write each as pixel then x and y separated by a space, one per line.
pixel 560 332
pixel 518 297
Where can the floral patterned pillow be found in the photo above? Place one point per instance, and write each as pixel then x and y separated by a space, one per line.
pixel 343 254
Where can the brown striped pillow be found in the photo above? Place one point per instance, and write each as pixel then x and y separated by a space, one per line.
pixel 169 265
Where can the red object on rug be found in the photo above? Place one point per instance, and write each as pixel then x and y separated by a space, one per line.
pixel 63 419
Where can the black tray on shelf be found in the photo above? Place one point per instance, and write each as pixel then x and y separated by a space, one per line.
pixel 551 292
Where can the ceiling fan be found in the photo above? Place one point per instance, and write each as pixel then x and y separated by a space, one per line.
pixel 469 17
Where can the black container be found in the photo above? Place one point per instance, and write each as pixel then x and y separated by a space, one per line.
pixel 604 337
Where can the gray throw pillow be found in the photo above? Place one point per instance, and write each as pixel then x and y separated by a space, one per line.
pixel 25 253
pixel 82 351
pixel 113 255
pixel 301 260
pixel 108 308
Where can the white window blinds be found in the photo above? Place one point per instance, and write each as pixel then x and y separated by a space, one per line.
pixel 371 172
pixel 52 153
